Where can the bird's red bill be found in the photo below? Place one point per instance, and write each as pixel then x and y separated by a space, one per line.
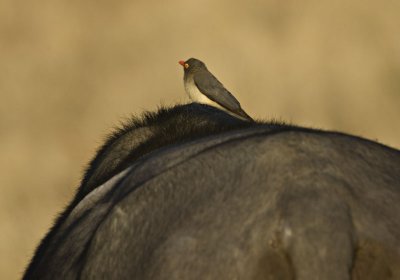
pixel 181 62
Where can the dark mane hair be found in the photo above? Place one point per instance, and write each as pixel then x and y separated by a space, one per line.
pixel 153 130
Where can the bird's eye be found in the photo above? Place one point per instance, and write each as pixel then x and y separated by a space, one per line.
pixel 186 65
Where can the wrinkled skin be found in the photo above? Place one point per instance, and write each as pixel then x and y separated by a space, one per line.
pixel 191 192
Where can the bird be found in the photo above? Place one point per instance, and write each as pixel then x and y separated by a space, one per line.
pixel 203 87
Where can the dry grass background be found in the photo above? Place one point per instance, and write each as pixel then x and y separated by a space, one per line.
pixel 70 70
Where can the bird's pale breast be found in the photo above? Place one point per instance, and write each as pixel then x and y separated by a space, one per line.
pixel 195 95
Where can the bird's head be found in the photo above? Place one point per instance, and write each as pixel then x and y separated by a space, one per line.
pixel 192 64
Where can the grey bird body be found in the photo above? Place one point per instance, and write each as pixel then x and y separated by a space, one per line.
pixel 203 87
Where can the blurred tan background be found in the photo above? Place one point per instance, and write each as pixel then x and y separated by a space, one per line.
pixel 71 70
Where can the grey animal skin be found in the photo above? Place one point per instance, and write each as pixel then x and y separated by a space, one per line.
pixel 191 192
pixel 202 87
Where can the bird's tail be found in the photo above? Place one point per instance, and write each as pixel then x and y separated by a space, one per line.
pixel 241 113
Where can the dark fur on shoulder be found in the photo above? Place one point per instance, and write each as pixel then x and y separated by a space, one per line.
pixel 308 183
pixel 142 135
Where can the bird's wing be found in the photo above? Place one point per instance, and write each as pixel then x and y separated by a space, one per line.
pixel 213 89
